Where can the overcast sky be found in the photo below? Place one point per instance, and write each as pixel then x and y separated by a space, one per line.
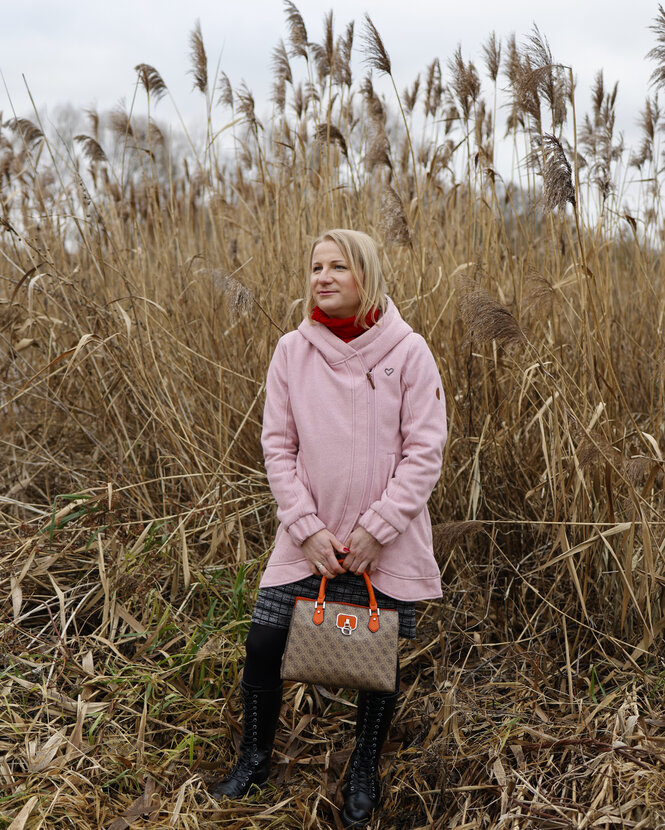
pixel 84 52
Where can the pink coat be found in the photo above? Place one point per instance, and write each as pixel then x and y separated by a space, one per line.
pixel 353 435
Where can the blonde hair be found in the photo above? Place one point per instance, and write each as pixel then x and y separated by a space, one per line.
pixel 362 257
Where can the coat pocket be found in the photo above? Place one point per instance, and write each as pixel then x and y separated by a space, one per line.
pixel 301 474
pixel 385 471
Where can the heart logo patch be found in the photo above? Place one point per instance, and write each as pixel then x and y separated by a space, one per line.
pixel 389 371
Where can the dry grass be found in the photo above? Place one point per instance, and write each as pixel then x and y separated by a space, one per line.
pixel 142 292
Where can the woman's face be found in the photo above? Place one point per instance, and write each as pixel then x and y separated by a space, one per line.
pixel 332 284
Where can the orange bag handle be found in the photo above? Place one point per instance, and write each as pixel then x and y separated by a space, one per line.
pixel 320 604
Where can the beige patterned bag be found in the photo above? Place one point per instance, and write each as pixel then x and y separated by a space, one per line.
pixel 342 645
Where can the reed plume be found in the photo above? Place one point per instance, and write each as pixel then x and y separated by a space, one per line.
pixel 282 75
pixel 558 188
pixel 30 133
pixel 342 67
pixel 5 171
pixel 330 134
pixel 378 151
pixel 482 129
pixel 424 153
pixel 542 76
pixel 533 75
pixel 598 97
pixel 121 123
pixel 151 80
pixel 311 93
pixel 649 122
pixel 492 56
pixel 465 82
pixel 239 298
pixel 297 30
pixel 324 54
pixel 93 118
pixel 446 535
pixel 441 159
pixel 410 95
pixel 198 58
pixel 91 148
pixel 513 63
pixel 657 54
pixel 155 132
pixel 484 318
pixel 225 91
pixel 394 225
pixel 299 101
pixel 597 136
pixel 594 449
pixel 539 291
pixel 514 72
pixel 278 96
pixel 246 106
pixel 376 54
pixel 375 108
pixel 433 88
pixel 588 131
pixel 280 63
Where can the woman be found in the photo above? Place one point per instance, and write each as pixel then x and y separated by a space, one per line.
pixel 353 430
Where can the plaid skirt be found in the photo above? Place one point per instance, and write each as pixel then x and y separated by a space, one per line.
pixel 274 605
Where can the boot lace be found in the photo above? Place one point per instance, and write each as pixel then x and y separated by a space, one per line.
pixel 363 777
pixel 248 759
pixel 244 768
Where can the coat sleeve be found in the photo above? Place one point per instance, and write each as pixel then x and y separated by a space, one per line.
pixel 424 433
pixel 296 509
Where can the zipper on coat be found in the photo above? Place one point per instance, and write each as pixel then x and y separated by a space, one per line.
pixel 371 400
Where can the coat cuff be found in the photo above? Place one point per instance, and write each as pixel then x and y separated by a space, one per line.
pixel 378 527
pixel 305 527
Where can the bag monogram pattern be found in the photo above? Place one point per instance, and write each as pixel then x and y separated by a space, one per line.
pixel 340 649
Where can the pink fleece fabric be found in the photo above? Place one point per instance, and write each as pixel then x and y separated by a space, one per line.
pixel 342 451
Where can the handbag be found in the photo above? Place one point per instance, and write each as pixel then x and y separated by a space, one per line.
pixel 342 645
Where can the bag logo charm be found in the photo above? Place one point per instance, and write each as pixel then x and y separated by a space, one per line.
pixel 347 623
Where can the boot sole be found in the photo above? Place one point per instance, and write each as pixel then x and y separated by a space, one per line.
pixel 357 824
pixel 255 785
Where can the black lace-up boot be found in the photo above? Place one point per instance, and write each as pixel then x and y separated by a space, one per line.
pixel 361 792
pixel 261 711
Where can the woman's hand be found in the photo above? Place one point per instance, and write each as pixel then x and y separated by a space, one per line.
pixel 363 552
pixel 319 550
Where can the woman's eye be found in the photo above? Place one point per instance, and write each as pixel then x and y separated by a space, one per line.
pixel 341 267
pixel 316 269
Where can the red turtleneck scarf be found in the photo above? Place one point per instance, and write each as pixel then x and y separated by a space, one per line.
pixel 345 327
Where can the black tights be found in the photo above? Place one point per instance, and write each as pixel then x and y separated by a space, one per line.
pixel 265 647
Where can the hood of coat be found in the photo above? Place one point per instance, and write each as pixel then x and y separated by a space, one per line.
pixel 372 345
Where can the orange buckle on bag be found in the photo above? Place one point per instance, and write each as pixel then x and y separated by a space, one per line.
pixel 347 623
